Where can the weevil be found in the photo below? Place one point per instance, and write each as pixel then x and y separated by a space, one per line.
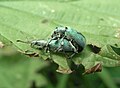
pixel 76 39
pixel 56 46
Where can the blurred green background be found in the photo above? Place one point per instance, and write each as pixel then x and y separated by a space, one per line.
pixel 34 19
pixel 19 71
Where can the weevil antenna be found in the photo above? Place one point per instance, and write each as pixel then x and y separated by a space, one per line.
pixel 28 42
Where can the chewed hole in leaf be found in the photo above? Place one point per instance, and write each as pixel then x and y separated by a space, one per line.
pixel 80 69
pixel 94 48
pixel 116 45
pixel 116 50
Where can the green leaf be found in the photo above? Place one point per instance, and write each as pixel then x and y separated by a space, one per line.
pixel 98 21
pixel 111 58
pixel 106 57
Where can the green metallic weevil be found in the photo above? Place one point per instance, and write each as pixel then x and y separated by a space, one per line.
pixel 59 46
pixel 76 39
pixel 56 46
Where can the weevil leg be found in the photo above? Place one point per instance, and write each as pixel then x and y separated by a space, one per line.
pixel 60 48
pixel 48 42
pixel 54 38
pixel 71 55
pixel 47 45
pixel 47 50
pixel 49 56
pixel 66 55
pixel 75 50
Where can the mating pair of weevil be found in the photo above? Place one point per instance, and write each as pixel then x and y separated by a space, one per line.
pixel 63 40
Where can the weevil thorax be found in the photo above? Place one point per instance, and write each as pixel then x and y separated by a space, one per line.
pixel 59 32
pixel 40 44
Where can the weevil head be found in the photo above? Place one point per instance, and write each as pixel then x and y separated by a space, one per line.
pixel 38 44
pixel 59 32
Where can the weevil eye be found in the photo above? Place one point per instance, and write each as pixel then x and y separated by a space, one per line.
pixel 56 27
pixel 66 27
pixel 40 47
pixel 55 32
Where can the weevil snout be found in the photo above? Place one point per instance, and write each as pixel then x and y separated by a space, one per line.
pixel 38 44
